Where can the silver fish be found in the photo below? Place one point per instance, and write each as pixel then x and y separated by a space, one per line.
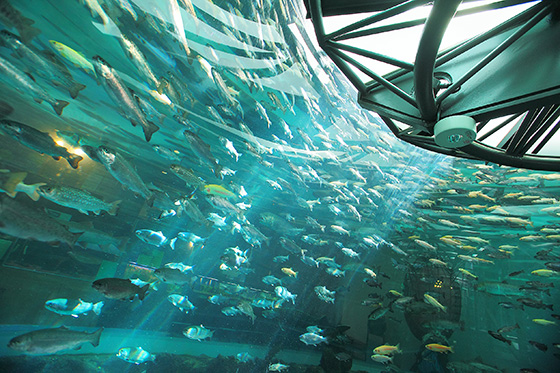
pixel 121 95
pixel 26 84
pixel 123 171
pixel 78 199
pixel 20 221
pixel 39 141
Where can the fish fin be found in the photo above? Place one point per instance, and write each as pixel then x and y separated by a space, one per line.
pixel 11 184
pixel 59 105
pixel 27 33
pixel 149 130
pixel 96 336
pixel 73 160
pixel 75 238
pixel 75 89
pixel 114 208
pixel 31 191
pixel 143 290
pixel 150 200
pixel 97 307
pixel 56 157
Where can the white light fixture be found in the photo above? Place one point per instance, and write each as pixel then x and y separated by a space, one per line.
pixel 455 131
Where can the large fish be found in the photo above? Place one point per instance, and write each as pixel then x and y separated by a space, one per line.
pixel 53 340
pixel 78 199
pixel 202 151
pixel 11 17
pixel 39 141
pixel 120 94
pixel 187 175
pixel 120 288
pixel 499 288
pixel 27 84
pixel 123 171
pixel 32 224
pixel 45 67
pixel 139 60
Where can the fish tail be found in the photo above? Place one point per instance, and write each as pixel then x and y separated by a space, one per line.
pixel 96 336
pixel 149 130
pixel 143 291
pixel 11 184
pixel 73 160
pixel 550 306
pixel 28 32
pixel 75 89
pixel 150 200
pixel 31 191
pixel 114 208
pixel 97 307
pixel 74 237
pixel 58 105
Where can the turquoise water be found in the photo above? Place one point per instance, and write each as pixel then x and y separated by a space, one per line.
pixel 316 174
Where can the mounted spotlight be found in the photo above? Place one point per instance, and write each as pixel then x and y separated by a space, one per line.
pixel 492 95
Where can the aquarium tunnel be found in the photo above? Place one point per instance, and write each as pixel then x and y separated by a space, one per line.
pixel 267 186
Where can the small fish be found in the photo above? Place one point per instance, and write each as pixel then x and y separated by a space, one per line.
pixel 76 58
pixel 135 355
pixel 243 357
pixel 228 144
pixel 544 322
pixel 63 306
pixel 431 300
pixel 384 359
pixel 512 274
pixel 439 348
pixel 387 350
pixel 540 346
pixel 181 301
pixel 507 329
pixel 198 332
pixel 165 214
pixel 283 293
pixel 312 339
pixel 217 190
pixel 151 237
pixel 340 230
pixel 499 337
pixel 277 367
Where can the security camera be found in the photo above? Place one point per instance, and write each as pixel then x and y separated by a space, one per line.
pixel 455 131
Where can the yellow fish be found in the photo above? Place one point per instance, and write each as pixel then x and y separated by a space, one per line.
pixel 438 262
pixel 462 270
pixel 218 190
pixel 290 272
pixel 387 350
pixel 544 322
pixel 73 56
pixel 433 301
pixel 395 293
pixel 439 348
pixel 544 272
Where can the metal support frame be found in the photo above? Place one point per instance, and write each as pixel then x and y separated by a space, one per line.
pixel 389 96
